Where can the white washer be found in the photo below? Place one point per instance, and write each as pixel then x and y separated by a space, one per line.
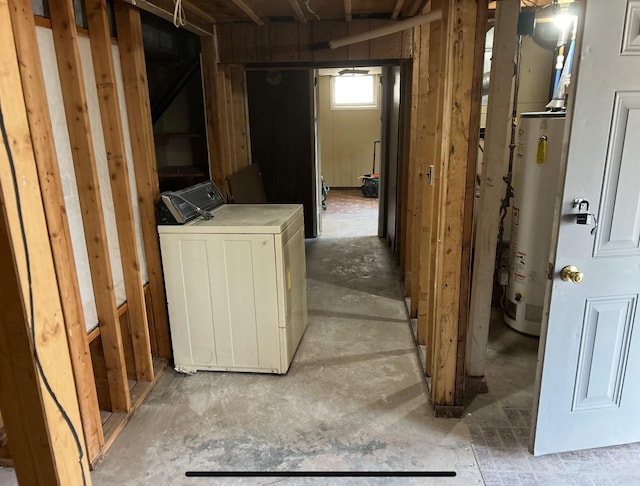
pixel 236 288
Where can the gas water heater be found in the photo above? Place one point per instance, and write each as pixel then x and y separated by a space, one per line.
pixel 535 183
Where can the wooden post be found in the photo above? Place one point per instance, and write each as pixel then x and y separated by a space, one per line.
pixel 46 446
pixel 425 290
pixel 472 160
pixel 100 40
pixel 492 189
pixel 134 74
pixel 421 185
pixel 210 82
pixel 459 22
pixel 75 104
pixel 57 225
pixel 412 169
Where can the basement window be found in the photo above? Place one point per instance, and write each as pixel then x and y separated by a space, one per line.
pixel 354 92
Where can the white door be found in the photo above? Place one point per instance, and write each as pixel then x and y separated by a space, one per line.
pixel 589 377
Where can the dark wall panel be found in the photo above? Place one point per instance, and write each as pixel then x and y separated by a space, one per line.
pixel 282 141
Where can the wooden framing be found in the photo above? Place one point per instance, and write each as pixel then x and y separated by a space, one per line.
pixel 144 163
pixel 111 118
pixel 397 9
pixel 75 104
pixel 248 11
pixel 46 449
pixel 347 10
pixel 459 20
pixel 426 264
pixel 421 230
pixel 164 10
pixel 412 161
pixel 46 160
pixel 496 153
pixel 240 43
pixel 224 95
pixel 472 160
pixel 298 11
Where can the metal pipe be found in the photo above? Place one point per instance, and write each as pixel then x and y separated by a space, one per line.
pixel 387 29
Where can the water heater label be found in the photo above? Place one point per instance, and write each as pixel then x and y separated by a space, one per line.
pixel 519 265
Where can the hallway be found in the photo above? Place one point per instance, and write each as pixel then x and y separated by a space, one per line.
pixel 354 398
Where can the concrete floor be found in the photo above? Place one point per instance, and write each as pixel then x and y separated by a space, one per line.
pixel 354 398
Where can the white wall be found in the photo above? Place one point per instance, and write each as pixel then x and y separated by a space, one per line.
pixel 67 174
pixel 345 140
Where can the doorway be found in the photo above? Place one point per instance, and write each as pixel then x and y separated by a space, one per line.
pixel 349 112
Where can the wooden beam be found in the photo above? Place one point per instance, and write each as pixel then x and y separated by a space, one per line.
pixel 492 189
pixel 57 224
pixel 209 82
pixel 46 446
pixel 397 9
pixel 144 162
pixel 100 40
pixel 84 160
pixel 459 20
pixel 470 192
pixel 347 11
pixel 247 10
pixel 298 11
pixel 164 10
pixel 198 11
pixel 413 161
pixel 415 7
pixel 425 292
pixel 421 227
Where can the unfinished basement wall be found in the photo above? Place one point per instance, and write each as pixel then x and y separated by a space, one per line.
pixel 65 162
pixel 346 139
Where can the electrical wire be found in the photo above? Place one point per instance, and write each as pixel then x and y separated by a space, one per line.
pixel 179 17
pixel 32 324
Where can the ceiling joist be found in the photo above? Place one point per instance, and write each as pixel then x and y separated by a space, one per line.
pixel 415 7
pixel 347 10
pixel 189 6
pixel 298 11
pixel 247 10
pixel 397 9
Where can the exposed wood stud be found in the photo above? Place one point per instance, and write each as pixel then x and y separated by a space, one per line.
pixel 84 160
pixel 248 11
pixel 298 11
pixel 57 224
pixel 347 10
pixel 111 117
pixel 421 225
pixel 413 160
pixel 491 190
pixel 43 447
pixel 397 9
pixel 472 159
pixel 144 163
pixel 459 20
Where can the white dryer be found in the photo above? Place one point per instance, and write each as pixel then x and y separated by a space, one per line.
pixel 236 284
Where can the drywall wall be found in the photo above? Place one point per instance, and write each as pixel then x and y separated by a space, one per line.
pixel 65 162
pixel 345 140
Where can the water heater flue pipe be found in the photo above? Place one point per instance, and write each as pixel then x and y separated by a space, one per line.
pixel 387 29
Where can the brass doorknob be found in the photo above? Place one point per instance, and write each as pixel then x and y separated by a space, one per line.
pixel 570 273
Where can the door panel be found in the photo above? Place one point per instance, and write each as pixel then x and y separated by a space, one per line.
pixel 281 125
pixel 589 378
